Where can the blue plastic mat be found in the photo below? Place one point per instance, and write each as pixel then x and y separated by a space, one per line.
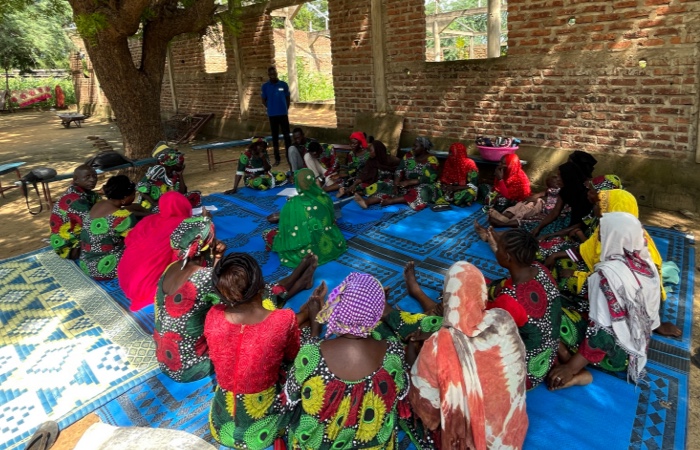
pixel 610 413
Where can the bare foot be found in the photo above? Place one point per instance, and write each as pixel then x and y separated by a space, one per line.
pixel 360 201
pixel 582 378
pixel 340 193
pixel 491 239
pixel 481 231
pixel 668 329
pixel 307 278
pixel 409 276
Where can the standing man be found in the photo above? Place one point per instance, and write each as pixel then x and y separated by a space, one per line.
pixel 275 97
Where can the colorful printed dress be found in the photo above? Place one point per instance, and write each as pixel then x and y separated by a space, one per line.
pixel 399 324
pixel 338 414
pixel 249 361
pixel 252 169
pixel 354 163
pixel 156 183
pixel 536 309
pixel 464 196
pixel 328 160
pixel 67 218
pixel 420 195
pixel 384 186
pixel 102 243
pixel 181 349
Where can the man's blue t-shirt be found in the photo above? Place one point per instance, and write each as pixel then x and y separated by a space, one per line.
pixel 276 95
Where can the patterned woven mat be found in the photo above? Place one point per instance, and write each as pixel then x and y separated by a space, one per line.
pixel 66 347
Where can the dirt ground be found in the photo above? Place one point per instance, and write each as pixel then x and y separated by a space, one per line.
pixel 38 138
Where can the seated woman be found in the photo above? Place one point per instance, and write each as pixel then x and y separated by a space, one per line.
pixel 251 343
pixel 183 297
pixel 106 226
pixel 469 378
pixel 459 177
pixel 69 211
pixel 531 211
pixel 167 175
pixel 414 180
pixel 320 158
pixel 624 306
pixel 363 379
pixel 139 270
pixel 511 185
pixel 255 169
pixel 531 297
pixel 306 225
pixel 354 161
pixel 374 179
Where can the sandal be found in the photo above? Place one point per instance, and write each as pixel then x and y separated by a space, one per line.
pixel 44 437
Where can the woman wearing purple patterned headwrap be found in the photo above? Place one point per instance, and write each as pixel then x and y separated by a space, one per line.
pixel 344 392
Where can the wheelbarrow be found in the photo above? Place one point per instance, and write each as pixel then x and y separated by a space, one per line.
pixel 67 119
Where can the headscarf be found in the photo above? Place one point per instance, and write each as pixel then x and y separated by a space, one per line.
pixel 615 200
pixel 148 252
pixel 382 160
pixel 425 143
pixel 307 224
pixel 457 166
pixel 636 290
pixel 360 136
pixel 574 192
pixel 191 237
pixel 516 182
pixel 475 350
pixel 167 156
pixel 584 161
pixel 606 183
pixel 354 307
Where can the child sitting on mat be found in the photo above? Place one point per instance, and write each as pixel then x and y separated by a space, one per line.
pixel 534 208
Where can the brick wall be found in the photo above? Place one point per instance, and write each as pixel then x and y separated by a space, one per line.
pixel 561 86
pixel 313 48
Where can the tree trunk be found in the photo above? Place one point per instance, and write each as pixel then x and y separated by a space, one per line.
pixel 133 95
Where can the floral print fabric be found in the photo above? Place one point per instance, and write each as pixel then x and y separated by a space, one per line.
pixel 536 309
pixel 67 218
pixel 102 243
pixel 418 196
pixel 156 183
pixel 181 349
pixel 250 361
pixel 336 414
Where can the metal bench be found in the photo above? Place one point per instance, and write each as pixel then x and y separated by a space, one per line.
pixel 224 145
pixel 7 168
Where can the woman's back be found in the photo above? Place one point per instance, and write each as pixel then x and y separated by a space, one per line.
pixel 247 358
pixel 341 413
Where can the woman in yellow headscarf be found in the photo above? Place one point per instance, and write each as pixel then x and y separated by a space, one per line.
pixel 583 260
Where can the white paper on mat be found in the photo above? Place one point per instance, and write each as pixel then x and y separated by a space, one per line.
pixel 288 192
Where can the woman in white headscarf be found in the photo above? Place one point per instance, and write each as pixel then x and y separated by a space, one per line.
pixel 624 295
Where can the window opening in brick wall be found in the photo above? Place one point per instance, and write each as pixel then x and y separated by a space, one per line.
pixel 214 50
pixel 465 29
pixel 303 59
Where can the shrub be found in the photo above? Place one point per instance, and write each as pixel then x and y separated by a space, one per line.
pixel 313 86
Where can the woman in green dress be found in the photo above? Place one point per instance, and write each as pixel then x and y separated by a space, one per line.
pixel 307 225
pixel 255 169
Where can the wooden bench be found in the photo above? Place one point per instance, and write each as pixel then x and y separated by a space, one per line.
pixel 224 145
pixel 7 168
pixel 46 188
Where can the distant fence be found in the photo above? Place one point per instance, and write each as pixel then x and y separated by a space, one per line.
pixel 40 73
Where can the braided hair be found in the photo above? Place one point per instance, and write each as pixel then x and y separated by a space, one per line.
pixel 237 279
pixel 119 187
pixel 520 244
